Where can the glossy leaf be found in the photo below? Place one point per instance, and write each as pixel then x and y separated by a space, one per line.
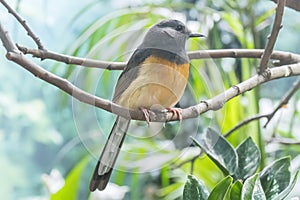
pixel 276 177
pixel 236 191
pixel 219 150
pixel 252 189
pixel 287 190
pixel 194 189
pixel 248 159
pixel 220 190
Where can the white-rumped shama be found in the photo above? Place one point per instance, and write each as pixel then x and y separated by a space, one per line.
pixel 154 79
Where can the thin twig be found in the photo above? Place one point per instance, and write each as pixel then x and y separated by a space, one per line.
pixel 190 160
pixel 243 123
pixel 282 57
pixel 285 141
pixel 24 24
pixel 284 101
pixel 273 37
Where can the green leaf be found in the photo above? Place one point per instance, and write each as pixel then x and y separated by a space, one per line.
pixel 276 177
pixel 172 190
pixel 264 16
pixel 287 190
pixel 235 24
pixel 220 190
pixel 69 190
pixel 236 191
pixel 194 189
pixel 252 189
pixel 219 150
pixel 248 159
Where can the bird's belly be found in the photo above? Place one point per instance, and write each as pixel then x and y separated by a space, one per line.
pixel 157 86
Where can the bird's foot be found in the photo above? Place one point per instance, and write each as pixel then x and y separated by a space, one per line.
pixel 147 114
pixel 176 111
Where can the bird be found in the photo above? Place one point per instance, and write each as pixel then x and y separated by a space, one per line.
pixel 154 78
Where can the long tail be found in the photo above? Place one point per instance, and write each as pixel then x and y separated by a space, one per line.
pixel 109 154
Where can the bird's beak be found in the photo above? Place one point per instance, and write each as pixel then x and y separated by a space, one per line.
pixel 196 35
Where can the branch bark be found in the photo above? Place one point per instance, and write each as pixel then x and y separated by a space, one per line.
pixel 273 37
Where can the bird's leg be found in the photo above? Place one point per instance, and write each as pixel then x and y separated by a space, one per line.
pixel 147 114
pixel 176 111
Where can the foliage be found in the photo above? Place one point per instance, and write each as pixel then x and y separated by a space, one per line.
pixel 273 182
pixel 240 163
pixel 70 188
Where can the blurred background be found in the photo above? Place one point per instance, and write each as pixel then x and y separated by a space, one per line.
pixel 48 139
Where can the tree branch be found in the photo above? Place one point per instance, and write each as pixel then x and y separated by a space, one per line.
pixel 24 24
pixel 215 103
pixel 243 123
pixel 284 101
pixel 282 57
pixel 273 37
pixel 45 54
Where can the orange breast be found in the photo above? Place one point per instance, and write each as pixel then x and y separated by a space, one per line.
pixel 183 69
pixel 159 84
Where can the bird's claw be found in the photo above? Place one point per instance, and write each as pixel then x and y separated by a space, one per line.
pixel 176 111
pixel 147 114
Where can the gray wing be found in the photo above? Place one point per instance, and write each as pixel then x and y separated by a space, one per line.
pixel 130 72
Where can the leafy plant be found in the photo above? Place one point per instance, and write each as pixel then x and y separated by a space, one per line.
pixel 70 188
pixel 240 166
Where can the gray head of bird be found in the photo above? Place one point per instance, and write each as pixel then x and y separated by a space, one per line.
pixel 169 35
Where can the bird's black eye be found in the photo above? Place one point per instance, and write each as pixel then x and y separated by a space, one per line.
pixel 179 28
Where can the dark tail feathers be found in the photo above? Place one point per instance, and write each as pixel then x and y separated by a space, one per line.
pixel 109 154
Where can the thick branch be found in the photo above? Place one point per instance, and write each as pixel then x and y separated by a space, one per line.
pixel 273 37
pixel 282 57
pixel 24 24
pixel 269 116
